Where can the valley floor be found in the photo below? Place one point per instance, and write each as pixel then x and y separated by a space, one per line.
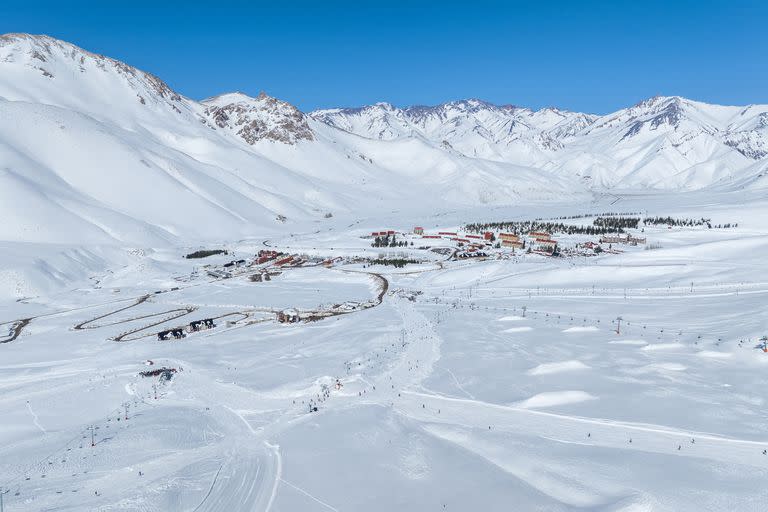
pixel 502 384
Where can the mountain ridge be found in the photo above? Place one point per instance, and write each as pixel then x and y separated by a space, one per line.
pixel 112 153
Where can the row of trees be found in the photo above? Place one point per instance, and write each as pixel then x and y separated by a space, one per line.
pixel 671 221
pixel 395 262
pixel 526 226
pixel 602 225
pixel 590 215
pixel 387 241
pixel 617 223
pixel 204 253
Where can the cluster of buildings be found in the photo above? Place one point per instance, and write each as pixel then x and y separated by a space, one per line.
pixel 388 232
pixel 618 239
pixel 197 325
pixel 258 278
pixel 288 316
pixel 234 264
pixel 179 332
pixel 265 255
pixel 541 242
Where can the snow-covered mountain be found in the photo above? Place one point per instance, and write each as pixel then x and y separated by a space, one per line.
pixel 473 127
pixel 94 150
pixel 663 142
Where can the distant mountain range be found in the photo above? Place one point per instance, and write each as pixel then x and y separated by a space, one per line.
pixel 663 142
pixel 94 150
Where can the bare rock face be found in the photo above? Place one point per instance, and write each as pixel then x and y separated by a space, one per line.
pixel 257 119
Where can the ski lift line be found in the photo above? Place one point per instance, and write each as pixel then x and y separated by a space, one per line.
pixel 210 489
pixel 634 325
pixel 62 448
pixel 656 292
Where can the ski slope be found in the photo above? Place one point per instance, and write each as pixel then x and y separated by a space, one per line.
pixel 470 383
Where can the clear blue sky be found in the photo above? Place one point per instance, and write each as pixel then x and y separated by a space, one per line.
pixel 581 55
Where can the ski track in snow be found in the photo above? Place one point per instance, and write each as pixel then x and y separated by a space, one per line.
pixel 35 419
pixel 305 493
pixel 475 414
pixel 456 381
pixel 417 361
pixel 278 474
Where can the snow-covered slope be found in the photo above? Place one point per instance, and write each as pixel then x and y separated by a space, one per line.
pixel 94 150
pixel 667 142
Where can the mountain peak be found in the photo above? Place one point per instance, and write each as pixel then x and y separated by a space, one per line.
pixel 63 74
pixel 259 118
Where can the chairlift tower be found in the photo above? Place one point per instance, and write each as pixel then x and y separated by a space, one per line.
pixel 618 324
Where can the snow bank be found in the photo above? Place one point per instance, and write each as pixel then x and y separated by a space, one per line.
pixel 563 366
pixel 555 398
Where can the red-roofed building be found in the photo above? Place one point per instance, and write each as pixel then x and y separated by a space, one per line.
pixel 284 261
pixel 545 244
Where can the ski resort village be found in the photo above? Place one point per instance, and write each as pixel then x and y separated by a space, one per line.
pixel 231 305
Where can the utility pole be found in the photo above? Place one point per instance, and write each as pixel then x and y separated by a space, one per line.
pixel 93 440
pixel 126 410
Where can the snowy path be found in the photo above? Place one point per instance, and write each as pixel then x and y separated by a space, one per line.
pixel 250 474
pixel 422 352
pixel 238 485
